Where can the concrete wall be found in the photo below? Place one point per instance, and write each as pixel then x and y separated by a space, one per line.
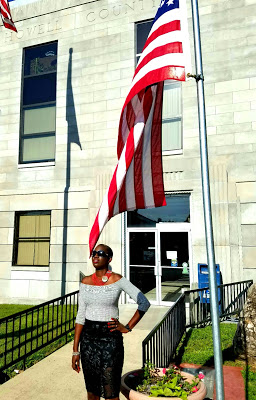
pixel 101 35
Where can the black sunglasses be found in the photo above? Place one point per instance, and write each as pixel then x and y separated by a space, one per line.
pixel 100 253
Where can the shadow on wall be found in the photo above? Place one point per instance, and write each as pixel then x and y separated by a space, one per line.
pixel 72 137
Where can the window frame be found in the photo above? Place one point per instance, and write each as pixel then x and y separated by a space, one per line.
pixel 137 55
pixel 22 136
pixel 16 237
pixel 173 119
pixel 168 82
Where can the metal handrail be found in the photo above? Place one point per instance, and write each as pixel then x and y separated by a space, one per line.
pixel 26 332
pixel 250 281
pixel 161 343
pixel 231 298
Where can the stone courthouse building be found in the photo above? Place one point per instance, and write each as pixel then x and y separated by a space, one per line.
pixel 63 81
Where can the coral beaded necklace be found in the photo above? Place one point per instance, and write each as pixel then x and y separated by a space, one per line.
pixel 101 281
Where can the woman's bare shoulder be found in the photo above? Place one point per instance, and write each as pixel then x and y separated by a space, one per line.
pixel 87 280
pixel 116 277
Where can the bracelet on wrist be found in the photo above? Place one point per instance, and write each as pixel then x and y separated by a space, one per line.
pixel 76 353
pixel 127 327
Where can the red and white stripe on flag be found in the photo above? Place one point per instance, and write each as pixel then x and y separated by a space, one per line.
pixel 6 15
pixel 137 182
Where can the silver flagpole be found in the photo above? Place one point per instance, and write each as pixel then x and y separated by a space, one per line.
pixel 207 206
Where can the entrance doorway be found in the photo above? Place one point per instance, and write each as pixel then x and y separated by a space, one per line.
pixel 159 260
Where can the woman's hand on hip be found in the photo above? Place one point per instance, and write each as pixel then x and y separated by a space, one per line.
pixel 115 325
pixel 76 363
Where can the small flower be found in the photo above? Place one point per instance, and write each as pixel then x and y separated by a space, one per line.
pixel 154 382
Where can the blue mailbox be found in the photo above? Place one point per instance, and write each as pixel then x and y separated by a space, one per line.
pixel 203 281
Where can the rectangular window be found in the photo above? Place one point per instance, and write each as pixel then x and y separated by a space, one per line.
pixel 32 238
pixel 172 101
pixel 172 117
pixel 38 108
pixel 142 31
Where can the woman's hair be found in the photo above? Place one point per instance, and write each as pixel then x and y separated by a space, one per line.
pixel 109 250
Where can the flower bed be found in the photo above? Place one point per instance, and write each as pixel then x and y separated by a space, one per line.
pixel 171 383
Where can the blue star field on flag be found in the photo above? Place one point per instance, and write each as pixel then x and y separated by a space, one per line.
pixel 166 5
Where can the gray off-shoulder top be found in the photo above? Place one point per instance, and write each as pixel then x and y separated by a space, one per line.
pixel 100 303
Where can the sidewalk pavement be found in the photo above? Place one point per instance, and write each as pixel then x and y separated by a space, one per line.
pixel 234 388
pixel 53 378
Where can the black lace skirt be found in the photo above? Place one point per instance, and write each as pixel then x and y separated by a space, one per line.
pixel 102 356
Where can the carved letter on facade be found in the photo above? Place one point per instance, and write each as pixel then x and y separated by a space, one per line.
pixel 20 34
pixel 141 2
pixel 90 17
pixel 128 5
pixel 41 29
pixel 57 26
pixel 118 10
pixel 104 13
pixel 31 30
pixel 8 37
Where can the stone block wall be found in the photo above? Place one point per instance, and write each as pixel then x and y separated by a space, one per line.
pixel 101 36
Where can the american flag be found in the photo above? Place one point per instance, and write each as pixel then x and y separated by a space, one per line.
pixel 6 15
pixel 138 179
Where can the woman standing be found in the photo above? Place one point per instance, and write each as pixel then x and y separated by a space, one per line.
pixel 98 329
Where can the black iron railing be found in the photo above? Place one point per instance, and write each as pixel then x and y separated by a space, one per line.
pixel 159 346
pixel 161 343
pixel 231 298
pixel 26 332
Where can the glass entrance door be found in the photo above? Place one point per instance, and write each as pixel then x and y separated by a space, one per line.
pixel 159 261
pixel 174 264
pixel 142 262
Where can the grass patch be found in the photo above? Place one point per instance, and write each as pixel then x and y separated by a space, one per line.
pixel 32 331
pixel 250 383
pixel 197 346
pixel 39 355
pixel 9 309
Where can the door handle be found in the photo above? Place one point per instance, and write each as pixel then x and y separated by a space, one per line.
pixel 158 269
